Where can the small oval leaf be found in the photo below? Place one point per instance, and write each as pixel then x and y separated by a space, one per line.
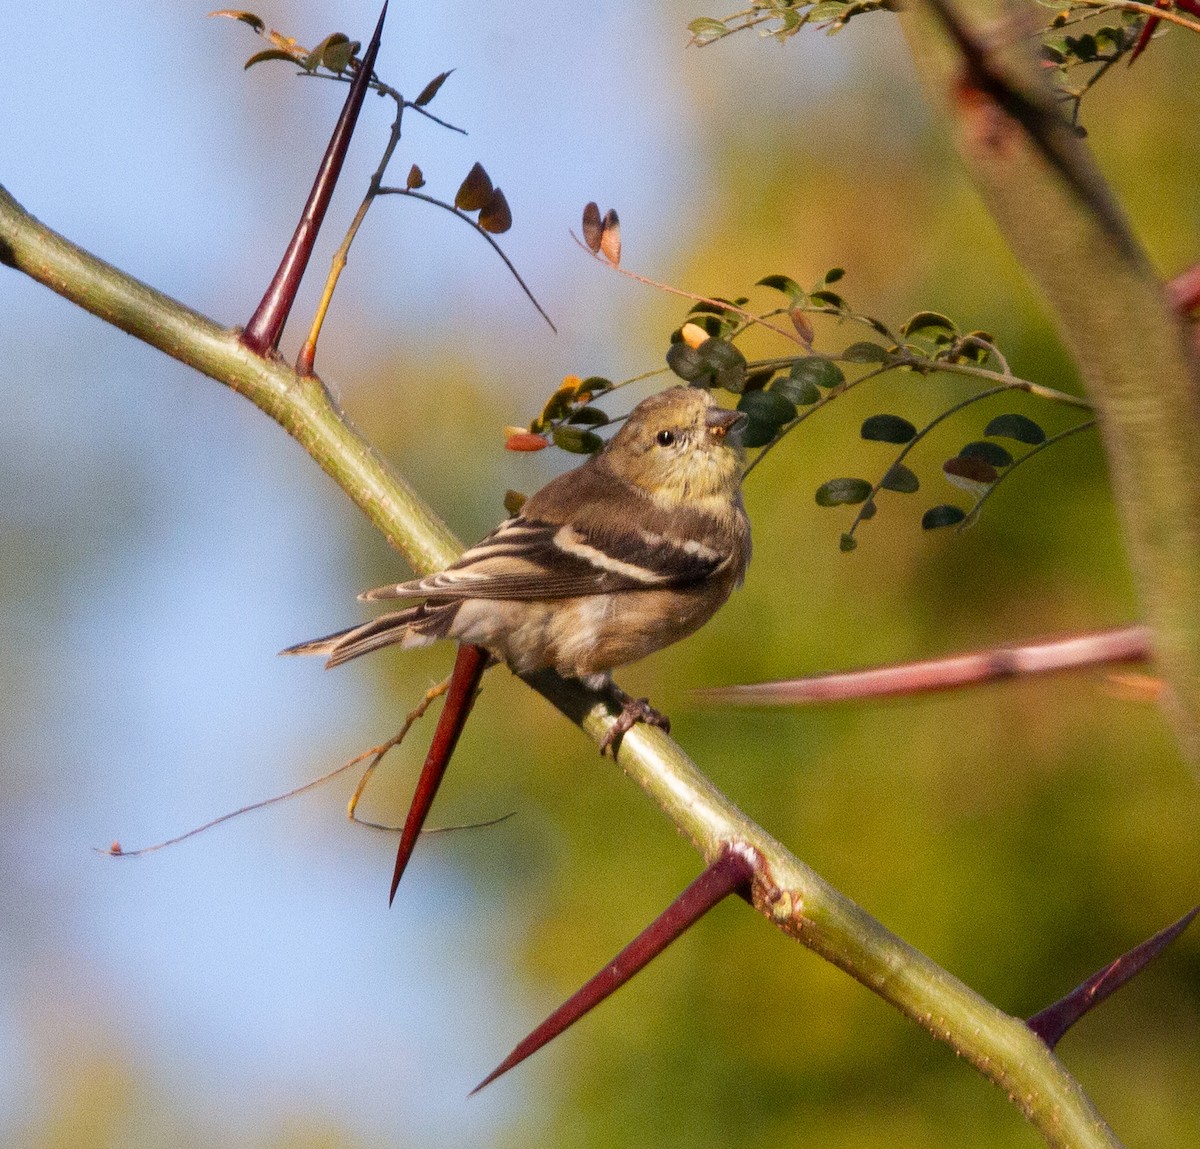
pixel 589 417
pixel 801 392
pixel 888 429
pixel 766 412
pixel 783 283
pixel 1017 427
pixel 686 362
pixel 900 478
pixel 610 237
pixel 577 441
pixel 865 352
pixel 943 515
pixel 838 492
pixel 971 472
pixel 818 371
pixel 927 321
pixel 431 89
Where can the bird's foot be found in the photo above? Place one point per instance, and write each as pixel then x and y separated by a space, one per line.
pixel 633 711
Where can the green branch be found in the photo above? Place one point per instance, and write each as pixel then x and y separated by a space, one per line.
pixel 786 891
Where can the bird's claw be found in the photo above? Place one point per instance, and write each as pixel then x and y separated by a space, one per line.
pixel 633 711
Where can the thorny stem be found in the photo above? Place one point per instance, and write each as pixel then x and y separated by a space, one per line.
pixel 787 892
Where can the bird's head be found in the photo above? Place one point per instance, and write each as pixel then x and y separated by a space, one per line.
pixel 679 445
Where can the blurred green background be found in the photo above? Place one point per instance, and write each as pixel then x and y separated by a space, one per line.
pixel 162 540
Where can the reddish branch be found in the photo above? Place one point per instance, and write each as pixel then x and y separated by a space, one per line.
pixel 1122 644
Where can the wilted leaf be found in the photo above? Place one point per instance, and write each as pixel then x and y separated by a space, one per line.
pixel 888 429
pixel 969 473
pixel 610 237
pixel 838 492
pixel 705 29
pixel 943 515
pixel 592 228
pixel 1016 427
pixel 495 216
pixel 416 178
pixel 514 501
pixel 269 54
pixel 474 191
pixel 522 440
pixel 245 17
pixel 431 89
pixel 802 324
pixel 899 478
pixel 989 452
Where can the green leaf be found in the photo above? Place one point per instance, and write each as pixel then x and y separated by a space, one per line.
pixel 766 412
pixel 431 89
pixel 726 362
pixel 589 417
pixel 847 542
pixel 943 515
pixel 1015 427
pixel 801 392
pixel 705 29
pixel 827 10
pixel 786 284
pixel 927 321
pixel 828 298
pixel 338 52
pixel 834 274
pixel 888 429
pixel 576 441
pixel 818 371
pixel 989 452
pixel 865 353
pixel 838 492
pixel 899 478
pixel 686 362
pixel 757 380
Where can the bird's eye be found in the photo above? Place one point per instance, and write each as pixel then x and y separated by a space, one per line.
pixel 665 438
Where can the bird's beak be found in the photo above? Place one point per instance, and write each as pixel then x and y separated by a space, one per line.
pixel 720 421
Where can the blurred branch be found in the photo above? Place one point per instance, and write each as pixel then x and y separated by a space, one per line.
pixel 1136 355
pixel 787 892
pixel 1121 644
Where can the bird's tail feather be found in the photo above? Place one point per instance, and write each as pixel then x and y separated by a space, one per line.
pixel 414 626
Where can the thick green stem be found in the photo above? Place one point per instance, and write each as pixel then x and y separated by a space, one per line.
pixel 785 890
pixel 1136 356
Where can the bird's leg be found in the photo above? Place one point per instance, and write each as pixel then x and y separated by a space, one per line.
pixel 633 711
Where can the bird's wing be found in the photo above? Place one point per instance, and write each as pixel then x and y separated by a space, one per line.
pixel 525 558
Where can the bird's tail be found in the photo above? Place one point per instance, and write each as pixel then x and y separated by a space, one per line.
pixel 414 626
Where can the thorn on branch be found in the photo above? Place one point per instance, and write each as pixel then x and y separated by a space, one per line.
pixel 1054 1021
pixel 469 666
pixel 730 872
pixel 266 325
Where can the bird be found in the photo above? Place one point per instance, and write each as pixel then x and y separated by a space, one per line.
pixel 629 552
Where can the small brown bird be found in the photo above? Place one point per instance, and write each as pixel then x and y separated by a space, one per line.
pixel 624 555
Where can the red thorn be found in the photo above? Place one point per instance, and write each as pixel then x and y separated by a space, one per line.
pixel 1055 1020
pixel 469 666
pixel 728 873
pixel 266 324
